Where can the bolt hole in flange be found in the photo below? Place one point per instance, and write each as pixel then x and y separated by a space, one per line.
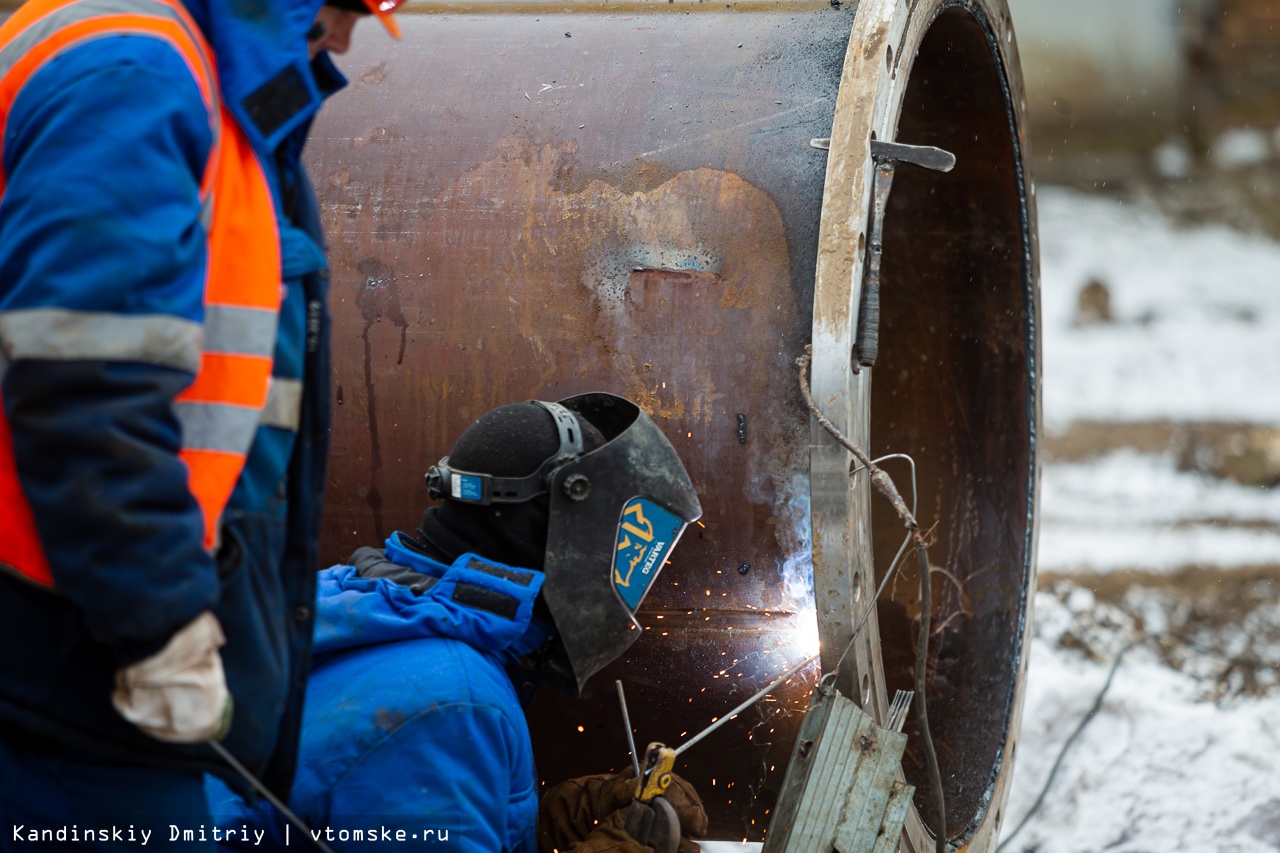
pixel 953 389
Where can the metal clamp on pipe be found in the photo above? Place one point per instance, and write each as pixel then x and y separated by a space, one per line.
pixel 886 156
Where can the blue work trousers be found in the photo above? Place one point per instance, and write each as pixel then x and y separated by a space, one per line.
pixel 63 800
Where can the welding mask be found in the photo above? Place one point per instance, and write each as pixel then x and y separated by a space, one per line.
pixel 614 515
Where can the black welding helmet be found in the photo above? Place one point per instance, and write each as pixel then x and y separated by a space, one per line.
pixel 614 515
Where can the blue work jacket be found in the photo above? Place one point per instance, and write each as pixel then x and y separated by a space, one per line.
pixel 412 723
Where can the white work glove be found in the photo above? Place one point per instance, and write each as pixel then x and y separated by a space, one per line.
pixel 180 693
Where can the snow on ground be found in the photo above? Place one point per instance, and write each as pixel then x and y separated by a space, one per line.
pixel 1130 510
pixel 1196 337
pixel 1157 769
pixel 1197 331
pixel 1163 766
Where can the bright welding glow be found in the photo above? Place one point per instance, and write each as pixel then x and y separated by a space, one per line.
pixel 805 642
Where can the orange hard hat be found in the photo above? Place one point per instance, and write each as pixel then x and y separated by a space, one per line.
pixel 382 9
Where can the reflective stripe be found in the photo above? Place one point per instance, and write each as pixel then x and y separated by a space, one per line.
pixel 284 404
pixel 243 331
pixel 206 204
pixel 65 335
pixel 217 427
pixel 44 23
pixel 40 31
pixel 232 354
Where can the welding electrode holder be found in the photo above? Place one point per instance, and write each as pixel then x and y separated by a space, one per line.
pixel 651 820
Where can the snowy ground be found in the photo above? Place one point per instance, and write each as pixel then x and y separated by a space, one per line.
pixel 1184 753
pixel 1196 338
pixel 1131 510
pixel 1197 316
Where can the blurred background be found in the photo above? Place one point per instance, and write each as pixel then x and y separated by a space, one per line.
pixel 1155 136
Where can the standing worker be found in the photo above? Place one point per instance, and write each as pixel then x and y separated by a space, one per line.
pixel 555 520
pixel 164 378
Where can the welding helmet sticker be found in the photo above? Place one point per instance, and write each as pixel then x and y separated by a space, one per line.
pixel 466 488
pixel 646 534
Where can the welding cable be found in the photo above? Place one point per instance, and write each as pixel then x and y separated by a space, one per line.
pixel 1066 747
pixel 893 565
pixel 884 484
pixel 886 458
pixel 922 707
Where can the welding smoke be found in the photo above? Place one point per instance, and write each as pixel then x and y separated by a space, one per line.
pixel 795 538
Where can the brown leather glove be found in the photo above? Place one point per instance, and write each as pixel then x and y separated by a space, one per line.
pixel 586 815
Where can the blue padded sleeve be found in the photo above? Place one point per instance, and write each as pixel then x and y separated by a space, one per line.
pixel 104 152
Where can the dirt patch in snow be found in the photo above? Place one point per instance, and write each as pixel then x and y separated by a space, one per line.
pixel 1220 628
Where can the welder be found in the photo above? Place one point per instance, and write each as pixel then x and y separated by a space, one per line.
pixel 553 523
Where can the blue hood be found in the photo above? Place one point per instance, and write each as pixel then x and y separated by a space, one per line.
pixel 267 81
pixel 484 604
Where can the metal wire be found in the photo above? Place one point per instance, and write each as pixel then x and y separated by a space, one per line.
pixel 747 704
pixel 915 493
pixel 1066 747
pixel 626 719
pixel 266 793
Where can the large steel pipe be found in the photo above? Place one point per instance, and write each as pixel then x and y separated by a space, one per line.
pixel 534 200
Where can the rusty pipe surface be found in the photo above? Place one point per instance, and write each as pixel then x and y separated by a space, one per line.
pixel 534 202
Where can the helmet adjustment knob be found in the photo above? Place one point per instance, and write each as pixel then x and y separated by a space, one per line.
pixel 577 487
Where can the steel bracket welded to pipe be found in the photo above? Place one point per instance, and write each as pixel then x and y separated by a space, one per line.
pixel 532 200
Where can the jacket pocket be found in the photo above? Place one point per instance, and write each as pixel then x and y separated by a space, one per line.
pixel 299 254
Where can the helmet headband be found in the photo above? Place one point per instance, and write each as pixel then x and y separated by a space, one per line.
pixel 445 482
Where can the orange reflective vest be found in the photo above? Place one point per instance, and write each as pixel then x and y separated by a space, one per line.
pixel 231 353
